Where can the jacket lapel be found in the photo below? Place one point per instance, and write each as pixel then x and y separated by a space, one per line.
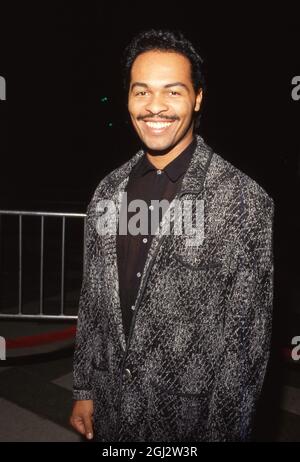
pixel 117 182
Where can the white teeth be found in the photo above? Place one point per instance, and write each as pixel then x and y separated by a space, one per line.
pixel 158 124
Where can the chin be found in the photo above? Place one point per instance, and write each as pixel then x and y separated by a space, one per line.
pixel 157 145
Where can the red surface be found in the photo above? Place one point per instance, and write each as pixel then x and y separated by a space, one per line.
pixel 41 339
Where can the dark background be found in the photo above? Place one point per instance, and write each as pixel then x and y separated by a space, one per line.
pixel 64 125
pixel 61 61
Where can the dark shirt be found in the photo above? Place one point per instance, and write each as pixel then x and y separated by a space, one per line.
pixel 146 183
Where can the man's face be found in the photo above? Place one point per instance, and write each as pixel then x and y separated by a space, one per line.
pixel 161 99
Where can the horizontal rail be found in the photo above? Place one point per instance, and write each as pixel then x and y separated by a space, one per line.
pixel 52 214
pixel 37 316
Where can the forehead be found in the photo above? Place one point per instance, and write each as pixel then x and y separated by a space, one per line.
pixel 153 67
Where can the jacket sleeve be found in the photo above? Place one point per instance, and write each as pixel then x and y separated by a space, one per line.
pixel 244 347
pixel 84 343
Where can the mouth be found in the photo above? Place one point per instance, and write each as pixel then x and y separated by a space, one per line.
pixel 157 128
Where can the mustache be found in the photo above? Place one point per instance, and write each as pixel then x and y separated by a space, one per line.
pixel 141 117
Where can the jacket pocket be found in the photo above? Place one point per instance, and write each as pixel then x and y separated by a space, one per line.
pixel 201 266
pixel 178 416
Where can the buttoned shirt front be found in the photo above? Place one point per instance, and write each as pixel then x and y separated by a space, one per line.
pixel 149 184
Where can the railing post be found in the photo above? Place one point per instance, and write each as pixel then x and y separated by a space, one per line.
pixel 20 264
pixel 62 296
pixel 42 267
pixel 84 246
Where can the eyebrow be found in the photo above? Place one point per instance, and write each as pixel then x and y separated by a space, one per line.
pixel 175 84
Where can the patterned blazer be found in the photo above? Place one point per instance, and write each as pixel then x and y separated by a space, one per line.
pixel 195 360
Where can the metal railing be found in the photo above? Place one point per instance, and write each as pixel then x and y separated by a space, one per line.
pixel 43 215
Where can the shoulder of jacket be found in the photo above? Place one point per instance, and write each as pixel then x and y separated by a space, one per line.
pixel 248 190
pixel 106 181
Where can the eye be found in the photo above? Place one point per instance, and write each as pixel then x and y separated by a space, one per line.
pixel 174 93
pixel 141 93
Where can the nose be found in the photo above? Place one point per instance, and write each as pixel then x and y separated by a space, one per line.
pixel 156 105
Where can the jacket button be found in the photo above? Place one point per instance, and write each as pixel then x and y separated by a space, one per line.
pixel 127 373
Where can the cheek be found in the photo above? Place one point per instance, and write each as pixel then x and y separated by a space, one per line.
pixel 183 109
pixel 132 104
pixel 135 109
pixel 130 107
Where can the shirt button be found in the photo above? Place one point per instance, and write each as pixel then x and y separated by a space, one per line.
pixel 151 207
pixel 127 373
pixel 138 274
pixel 132 307
pixel 145 240
pixel 159 172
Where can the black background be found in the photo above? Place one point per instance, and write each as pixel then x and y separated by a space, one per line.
pixel 57 141
pixel 59 61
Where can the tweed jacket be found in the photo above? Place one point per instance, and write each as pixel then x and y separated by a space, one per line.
pixel 195 360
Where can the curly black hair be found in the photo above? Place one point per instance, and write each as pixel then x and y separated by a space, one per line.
pixel 164 40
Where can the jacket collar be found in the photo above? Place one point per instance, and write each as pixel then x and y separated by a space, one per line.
pixel 193 179
pixel 175 169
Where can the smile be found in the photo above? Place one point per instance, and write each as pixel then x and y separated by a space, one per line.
pixel 158 125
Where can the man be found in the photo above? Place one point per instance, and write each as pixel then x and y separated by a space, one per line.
pixel 173 328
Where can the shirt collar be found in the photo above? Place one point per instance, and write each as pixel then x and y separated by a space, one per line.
pixel 176 168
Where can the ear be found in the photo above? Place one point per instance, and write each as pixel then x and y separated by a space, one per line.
pixel 198 100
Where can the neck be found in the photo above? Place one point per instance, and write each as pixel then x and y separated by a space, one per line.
pixel 161 161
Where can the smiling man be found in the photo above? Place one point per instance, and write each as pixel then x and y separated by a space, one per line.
pixel 161 110
pixel 173 339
